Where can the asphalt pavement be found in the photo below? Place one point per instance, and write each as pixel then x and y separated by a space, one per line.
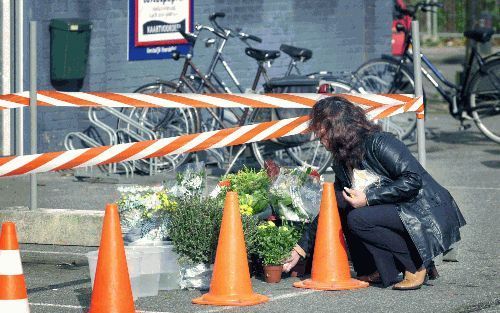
pixel 465 162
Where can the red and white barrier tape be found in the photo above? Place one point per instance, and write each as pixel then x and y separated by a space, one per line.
pixel 53 161
pixel 375 106
pixel 187 100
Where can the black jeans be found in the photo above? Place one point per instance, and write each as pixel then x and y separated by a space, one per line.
pixel 379 231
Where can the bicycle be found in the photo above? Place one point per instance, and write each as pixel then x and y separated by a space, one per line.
pixel 191 79
pixel 287 151
pixel 299 147
pixel 476 97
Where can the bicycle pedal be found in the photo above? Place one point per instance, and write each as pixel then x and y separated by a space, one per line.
pixel 466 116
pixel 464 127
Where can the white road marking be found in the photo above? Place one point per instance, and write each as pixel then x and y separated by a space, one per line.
pixel 284 296
pixel 81 308
pixel 53 252
pixel 220 309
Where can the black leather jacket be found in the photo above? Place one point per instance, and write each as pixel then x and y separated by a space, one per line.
pixel 428 211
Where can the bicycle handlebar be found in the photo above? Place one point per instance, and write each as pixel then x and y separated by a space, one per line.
pixel 244 37
pixel 199 28
pixel 411 10
pixel 215 15
pixel 213 20
pixel 224 33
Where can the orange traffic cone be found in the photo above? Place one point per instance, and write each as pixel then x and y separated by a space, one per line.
pixel 13 295
pixel 330 268
pixel 231 283
pixel 112 290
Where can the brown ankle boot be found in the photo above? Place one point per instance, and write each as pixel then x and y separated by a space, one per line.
pixel 412 281
pixel 373 278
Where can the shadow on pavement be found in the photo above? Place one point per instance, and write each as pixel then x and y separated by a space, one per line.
pixel 457 137
pixel 59 286
pixel 495 152
pixel 83 295
pixel 491 164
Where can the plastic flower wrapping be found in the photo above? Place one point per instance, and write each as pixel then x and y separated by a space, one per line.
pixel 295 193
pixel 144 212
pixel 190 180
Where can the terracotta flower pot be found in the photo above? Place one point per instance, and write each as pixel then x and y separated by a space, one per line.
pixel 272 273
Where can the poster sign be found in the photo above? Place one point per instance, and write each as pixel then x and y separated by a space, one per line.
pixel 155 26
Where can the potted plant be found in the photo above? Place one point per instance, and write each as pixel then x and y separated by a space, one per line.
pixel 194 230
pixel 273 247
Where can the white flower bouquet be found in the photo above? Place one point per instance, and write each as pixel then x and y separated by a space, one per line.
pixel 144 212
pixel 295 193
pixel 190 180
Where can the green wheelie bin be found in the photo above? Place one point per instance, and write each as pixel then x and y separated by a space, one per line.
pixel 69 52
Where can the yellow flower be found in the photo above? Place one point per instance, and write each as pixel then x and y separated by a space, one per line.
pixel 271 224
pixel 246 209
pixel 283 229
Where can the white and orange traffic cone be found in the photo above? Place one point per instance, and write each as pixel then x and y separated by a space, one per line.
pixel 13 295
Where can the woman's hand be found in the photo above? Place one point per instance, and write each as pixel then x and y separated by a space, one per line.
pixel 357 198
pixel 291 261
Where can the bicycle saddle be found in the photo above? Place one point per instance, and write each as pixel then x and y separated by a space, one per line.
pixel 479 34
pixel 297 53
pixel 262 55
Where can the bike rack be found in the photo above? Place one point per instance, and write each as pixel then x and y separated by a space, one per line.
pixel 136 130
pixel 69 145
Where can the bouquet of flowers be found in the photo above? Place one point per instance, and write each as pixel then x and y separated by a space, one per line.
pixel 252 187
pixel 295 193
pixel 144 212
pixel 190 180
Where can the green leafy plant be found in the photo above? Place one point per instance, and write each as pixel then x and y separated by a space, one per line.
pixel 275 243
pixel 250 224
pixel 195 226
pixel 252 187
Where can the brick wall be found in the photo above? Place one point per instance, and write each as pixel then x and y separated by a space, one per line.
pixel 341 33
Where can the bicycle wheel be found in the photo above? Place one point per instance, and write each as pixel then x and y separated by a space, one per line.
pixel 274 149
pixel 389 76
pixel 311 152
pixel 302 150
pixel 485 108
pixel 164 122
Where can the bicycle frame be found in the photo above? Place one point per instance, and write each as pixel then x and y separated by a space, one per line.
pixel 455 101
pixel 291 66
pixel 219 58
pixel 185 80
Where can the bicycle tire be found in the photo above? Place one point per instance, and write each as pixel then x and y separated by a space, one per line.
pixel 297 150
pixel 485 110
pixel 164 122
pixel 379 76
pixel 337 86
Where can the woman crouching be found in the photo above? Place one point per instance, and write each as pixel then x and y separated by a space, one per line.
pixel 395 216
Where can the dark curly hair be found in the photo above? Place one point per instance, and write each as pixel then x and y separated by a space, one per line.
pixel 342 128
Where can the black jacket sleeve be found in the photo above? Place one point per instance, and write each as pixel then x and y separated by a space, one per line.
pixel 402 169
